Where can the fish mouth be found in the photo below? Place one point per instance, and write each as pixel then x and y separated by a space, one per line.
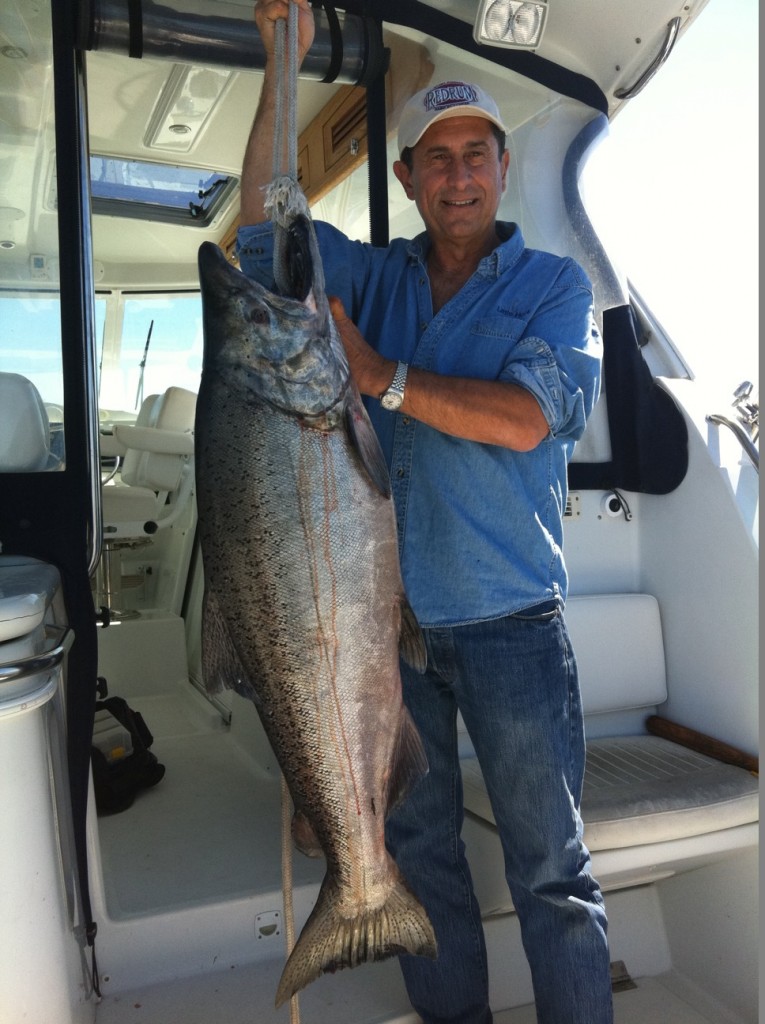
pixel 294 269
pixel 220 281
pixel 293 263
pixel 292 297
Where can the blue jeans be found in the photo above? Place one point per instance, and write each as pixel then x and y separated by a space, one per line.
pixel 515 682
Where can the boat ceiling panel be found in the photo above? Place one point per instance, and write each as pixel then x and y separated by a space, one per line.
pixel 609 43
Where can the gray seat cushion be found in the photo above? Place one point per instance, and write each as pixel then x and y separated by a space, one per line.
pixel 643 789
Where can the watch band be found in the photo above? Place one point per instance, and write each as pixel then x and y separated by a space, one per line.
pixel 399 377
pixel 393 396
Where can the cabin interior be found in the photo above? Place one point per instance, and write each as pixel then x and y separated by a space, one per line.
pixel 660 536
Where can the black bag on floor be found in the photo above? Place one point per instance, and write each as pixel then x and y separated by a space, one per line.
pixel 120 755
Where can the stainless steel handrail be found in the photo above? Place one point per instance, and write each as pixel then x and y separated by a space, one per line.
pixel 39 662
pixel 743 438
pixel 669 41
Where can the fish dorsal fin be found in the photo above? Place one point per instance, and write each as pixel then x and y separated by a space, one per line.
pixel 410 762
pixel 221 664
pixel 364 441
pixel 411 642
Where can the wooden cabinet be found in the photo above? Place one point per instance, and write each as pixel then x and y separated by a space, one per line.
pixel 334 144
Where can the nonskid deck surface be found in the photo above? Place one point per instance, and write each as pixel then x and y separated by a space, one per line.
pixel 209 836
pixel 209 831
pixel 372 994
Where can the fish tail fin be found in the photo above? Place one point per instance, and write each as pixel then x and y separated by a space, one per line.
pixel 329 941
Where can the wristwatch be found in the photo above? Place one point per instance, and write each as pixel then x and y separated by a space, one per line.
pixel 394 396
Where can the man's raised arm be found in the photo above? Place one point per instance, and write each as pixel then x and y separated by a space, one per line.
pixel 257 168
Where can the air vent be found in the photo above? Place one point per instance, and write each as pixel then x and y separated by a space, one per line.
pixel 334 144
pixel 184 107
pixel 350 128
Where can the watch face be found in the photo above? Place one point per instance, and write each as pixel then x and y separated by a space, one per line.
pixel 391 400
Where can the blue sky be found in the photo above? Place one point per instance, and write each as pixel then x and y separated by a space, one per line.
pixel 686 152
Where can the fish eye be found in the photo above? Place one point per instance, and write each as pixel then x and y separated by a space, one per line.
pixel 257 315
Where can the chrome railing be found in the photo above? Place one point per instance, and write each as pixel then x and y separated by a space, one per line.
pixel 743 437
pixel 42 662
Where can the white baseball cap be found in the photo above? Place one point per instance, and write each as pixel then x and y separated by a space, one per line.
pixel 449 99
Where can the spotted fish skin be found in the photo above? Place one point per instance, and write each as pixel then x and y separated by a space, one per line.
pixel 304 608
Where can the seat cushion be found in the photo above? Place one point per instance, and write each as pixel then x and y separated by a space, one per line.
pixel 617 639
pixel 24 427
pixel 644 789
pixel 128 504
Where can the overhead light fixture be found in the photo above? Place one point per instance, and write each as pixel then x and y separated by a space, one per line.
pixel 8 217
pixel 184 106
pixel 512 23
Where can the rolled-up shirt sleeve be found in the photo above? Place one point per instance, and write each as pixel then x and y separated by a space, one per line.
pixel 559 357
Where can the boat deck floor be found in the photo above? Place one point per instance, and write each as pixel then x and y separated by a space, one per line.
pixel 209 831
pixel 209 834
pixel 372 994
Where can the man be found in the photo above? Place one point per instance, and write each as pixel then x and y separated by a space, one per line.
pixel 480 362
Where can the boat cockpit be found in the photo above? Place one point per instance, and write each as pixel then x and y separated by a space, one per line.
pixel 124 128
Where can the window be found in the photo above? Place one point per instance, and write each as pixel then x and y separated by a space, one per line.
pixel 159 344
pixel 154 191
pixel 31 346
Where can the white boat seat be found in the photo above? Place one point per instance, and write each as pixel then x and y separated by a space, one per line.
pixel 155 482
pixel 156 477
pixel 650 807
pixel 25 438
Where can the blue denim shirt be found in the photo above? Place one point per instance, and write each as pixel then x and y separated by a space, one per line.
pixel 479 526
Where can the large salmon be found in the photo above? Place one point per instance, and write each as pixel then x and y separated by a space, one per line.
pixel 305 610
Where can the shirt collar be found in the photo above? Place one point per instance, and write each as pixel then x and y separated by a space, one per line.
pixel 505 256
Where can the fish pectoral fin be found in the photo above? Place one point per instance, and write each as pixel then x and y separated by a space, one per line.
pixel 409 762
pixel 329 941
pixel 411 643
pixel 364 441
pixel 221 664
pixel 304 836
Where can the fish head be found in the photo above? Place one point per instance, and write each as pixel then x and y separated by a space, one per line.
pixel 283 348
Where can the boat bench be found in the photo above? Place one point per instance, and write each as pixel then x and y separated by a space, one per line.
pixel 650 806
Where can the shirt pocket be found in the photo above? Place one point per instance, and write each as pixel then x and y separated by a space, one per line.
pixel 490 342
pixel 504 328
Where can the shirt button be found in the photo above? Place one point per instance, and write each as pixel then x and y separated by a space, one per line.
pixel 400 471
pixel 259 251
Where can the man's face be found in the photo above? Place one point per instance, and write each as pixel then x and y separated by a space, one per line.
pixel 457 179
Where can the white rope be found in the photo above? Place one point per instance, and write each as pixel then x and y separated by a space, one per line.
pixel 292 70
pixel 281 199
pixel 289 916
pixel 284 197
pixel 286 83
